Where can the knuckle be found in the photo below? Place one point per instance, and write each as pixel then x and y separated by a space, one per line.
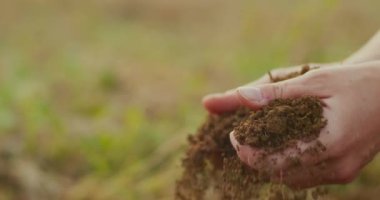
pixel 271 91
pixel 318 76
pixel 279 90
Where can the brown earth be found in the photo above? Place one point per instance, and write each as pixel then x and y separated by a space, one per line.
pixel 212 169
pixel 282 120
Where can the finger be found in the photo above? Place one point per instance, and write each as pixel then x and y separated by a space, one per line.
pixel 298 153
pixel 306 177
pixel 307 153
pixel 339 171
pixel 336 164
pixel 229 101
pixel 301 154
pixel 324 172
pixel 221 103
pixel 247 154
pixel 260 95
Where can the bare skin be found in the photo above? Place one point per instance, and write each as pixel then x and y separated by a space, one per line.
pixel 350 93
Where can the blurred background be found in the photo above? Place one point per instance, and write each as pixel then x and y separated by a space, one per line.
pixel 97 97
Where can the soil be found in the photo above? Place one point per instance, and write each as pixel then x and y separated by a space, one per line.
pixel 281 121
pixel 212 170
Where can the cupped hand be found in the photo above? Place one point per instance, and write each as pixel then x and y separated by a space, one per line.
pixel 351 138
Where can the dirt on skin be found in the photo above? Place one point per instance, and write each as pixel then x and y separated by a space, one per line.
pixel 212 169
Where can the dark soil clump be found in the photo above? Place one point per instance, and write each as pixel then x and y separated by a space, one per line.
pixel 212 170
pixel 281 121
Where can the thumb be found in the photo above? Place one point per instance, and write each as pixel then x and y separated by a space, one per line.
pixel 260 95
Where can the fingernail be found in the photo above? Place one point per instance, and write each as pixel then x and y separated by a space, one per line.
pixel 234 142
pixel 252 94
pixel 211 96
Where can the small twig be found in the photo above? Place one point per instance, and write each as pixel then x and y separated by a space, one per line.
pixel 270 76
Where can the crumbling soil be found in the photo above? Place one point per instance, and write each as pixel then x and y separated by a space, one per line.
pixel 281 121
pixel 212 170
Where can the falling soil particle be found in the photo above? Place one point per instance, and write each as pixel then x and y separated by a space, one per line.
pixel 212 169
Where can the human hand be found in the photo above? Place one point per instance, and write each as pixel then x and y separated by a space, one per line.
pixel 229 101
pixel 350 96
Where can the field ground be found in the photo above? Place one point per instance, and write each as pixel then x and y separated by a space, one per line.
pixel 97 97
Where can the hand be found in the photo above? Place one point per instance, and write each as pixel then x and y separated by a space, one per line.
pixel 229 101
pixel 350 95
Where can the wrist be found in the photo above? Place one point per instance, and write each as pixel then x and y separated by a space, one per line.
pixel 369 52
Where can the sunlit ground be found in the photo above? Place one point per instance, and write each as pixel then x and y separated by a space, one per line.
pixel 97 97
